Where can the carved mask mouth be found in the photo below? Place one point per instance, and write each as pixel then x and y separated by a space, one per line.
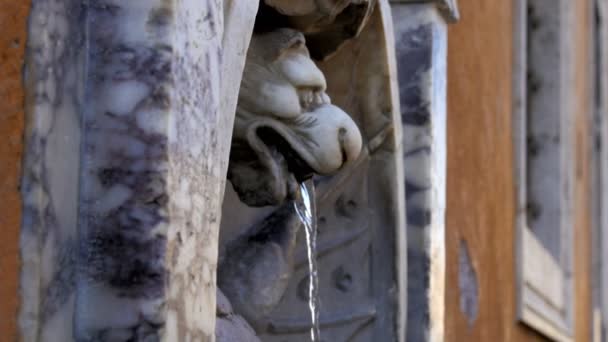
pixel 265 167
pixel 271 156
pixel 295 163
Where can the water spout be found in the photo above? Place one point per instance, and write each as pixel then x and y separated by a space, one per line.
pixel 304 206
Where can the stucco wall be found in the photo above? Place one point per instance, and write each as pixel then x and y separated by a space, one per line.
pixel 582 230
pixel 13 17
pixel 480 186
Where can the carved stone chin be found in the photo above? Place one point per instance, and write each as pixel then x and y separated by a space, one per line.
pixel 286 128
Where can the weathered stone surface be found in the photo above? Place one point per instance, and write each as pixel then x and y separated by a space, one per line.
pixel 327 24
pixel 224 307
pixel 231 327
pixel 362 78
pixel 286 128
pixel 256 271
pixel 449 8
pixel 127 149
pixel 234 329
pixel 467 284
pixel 421 36
pixel 361 209
pixel 130 113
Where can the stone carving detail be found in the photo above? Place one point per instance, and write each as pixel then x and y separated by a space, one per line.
pixel 123 169
pixel 286 128
pixel 327 24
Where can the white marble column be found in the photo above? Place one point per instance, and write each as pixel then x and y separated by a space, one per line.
pixel 421 44
pixel 129 119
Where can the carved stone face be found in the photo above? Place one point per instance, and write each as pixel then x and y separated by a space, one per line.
pixel 286 128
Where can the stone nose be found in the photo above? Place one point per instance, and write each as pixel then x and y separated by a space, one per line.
pixel 302 72
pixel 336 139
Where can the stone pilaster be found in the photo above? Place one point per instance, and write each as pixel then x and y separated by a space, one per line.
pixel 421 45
pixel 127 142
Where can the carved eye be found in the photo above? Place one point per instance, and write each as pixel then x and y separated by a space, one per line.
pixel 297 44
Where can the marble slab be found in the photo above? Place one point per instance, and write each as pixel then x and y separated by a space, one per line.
pixel 421 44
pixel 128 133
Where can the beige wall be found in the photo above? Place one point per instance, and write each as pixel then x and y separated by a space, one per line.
pixel 480 189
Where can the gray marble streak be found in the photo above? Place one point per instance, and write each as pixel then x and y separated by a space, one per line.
pixel 124 169
pixel 54 94
pixel 421 43
pixel 448 8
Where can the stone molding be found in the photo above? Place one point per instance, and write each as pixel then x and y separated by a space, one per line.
pixel 128 121
pixel 449 8
pixel 421 48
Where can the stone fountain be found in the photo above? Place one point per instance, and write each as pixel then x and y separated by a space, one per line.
pixel 166 141
pixel 306 111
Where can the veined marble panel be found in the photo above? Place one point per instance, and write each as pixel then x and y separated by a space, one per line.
pixel 54 77
pixel 421 43
pixel 124 171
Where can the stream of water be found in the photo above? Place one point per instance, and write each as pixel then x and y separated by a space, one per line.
pixel 305 210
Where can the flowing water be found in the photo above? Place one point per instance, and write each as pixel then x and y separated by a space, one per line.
pixel 305 209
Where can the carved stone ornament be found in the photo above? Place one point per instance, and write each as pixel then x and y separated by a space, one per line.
pixel 286 128
pixel 327 24
pixel 286 132
pixel 132 110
